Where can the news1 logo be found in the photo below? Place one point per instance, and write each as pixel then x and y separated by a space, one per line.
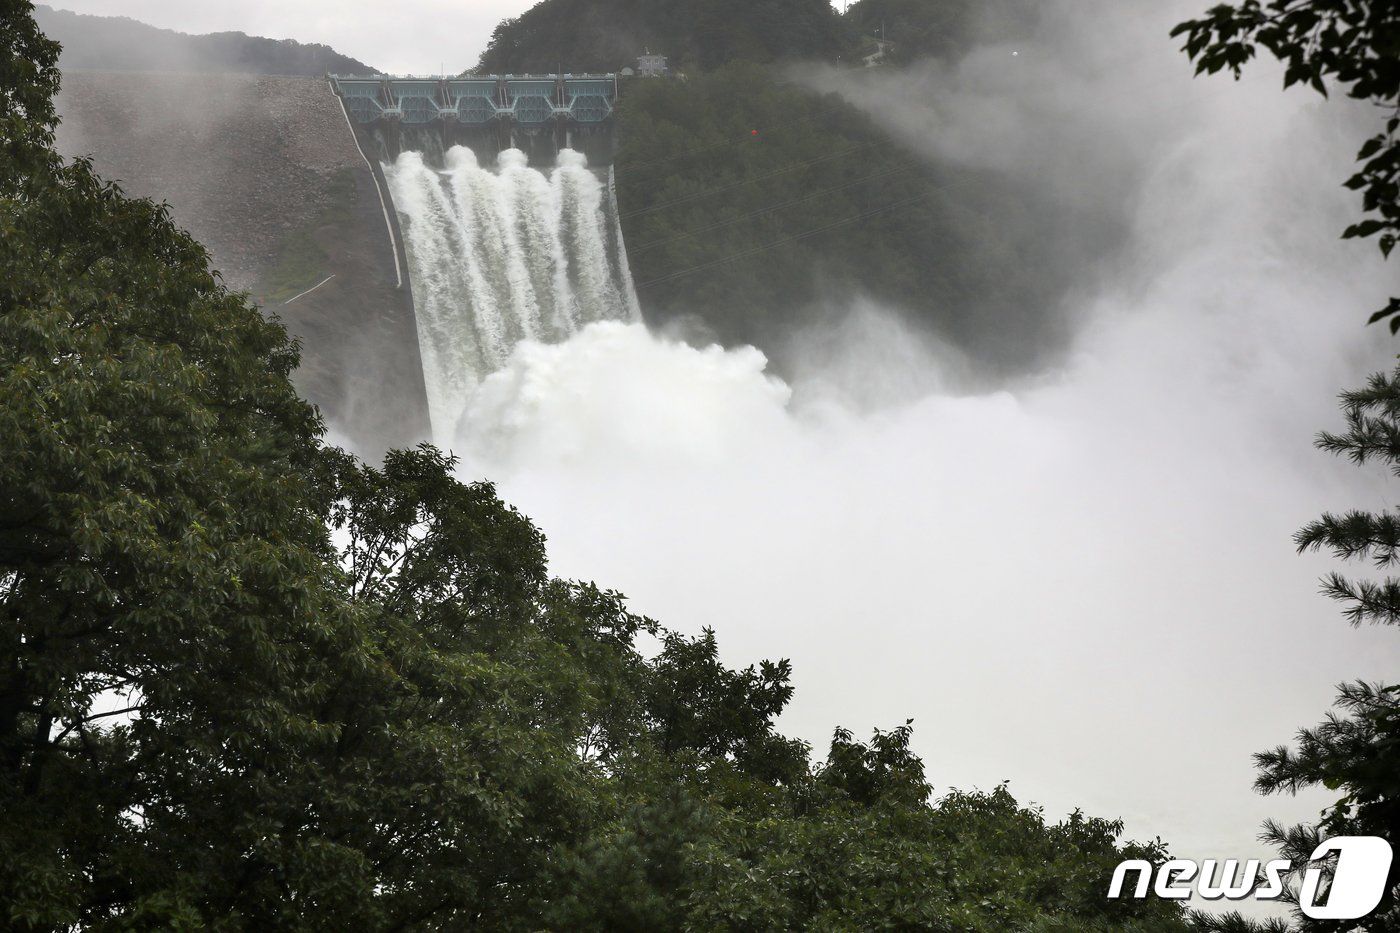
pixel 1357 886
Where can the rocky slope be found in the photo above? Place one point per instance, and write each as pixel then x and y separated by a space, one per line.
pixel 116 43
pixel 265 172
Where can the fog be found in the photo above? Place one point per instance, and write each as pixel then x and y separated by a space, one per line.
pixel 1081 581
pixel 407 37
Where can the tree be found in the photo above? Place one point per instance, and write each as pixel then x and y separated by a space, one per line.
pixel 1357 749
pixel 605 35
pixel 1355 43
pixel 161 553
pixel 28 83
pixel 641 794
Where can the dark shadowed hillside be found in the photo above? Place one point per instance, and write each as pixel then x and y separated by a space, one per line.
pixel 115 43
pixel 753 207
pixel 605 35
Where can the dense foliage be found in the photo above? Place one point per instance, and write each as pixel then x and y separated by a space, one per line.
pixel 747 202
pixel 701 36
pixel 589 35
pixel 115 43
pixel 249 683
pixel 918 29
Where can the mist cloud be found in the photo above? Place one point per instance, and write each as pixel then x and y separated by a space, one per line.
pixel 1081 580
pixel 408 37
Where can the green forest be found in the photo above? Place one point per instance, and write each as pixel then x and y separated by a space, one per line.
pixel 606 35
pixel 603 37
pixel 756 206
pixel 249 682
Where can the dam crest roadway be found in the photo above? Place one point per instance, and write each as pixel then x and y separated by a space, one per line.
pixel 524 101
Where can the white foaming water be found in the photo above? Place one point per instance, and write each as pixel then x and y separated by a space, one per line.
pixel 1084 583
pixel 497 257
pixel 614 397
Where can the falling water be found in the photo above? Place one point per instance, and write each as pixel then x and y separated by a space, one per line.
pixel 500 256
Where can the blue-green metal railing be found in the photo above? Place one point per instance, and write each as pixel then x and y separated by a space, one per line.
pixel 525 100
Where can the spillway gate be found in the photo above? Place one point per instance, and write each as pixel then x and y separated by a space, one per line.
pixel 525 101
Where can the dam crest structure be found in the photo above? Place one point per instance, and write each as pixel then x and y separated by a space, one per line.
pixel 540 115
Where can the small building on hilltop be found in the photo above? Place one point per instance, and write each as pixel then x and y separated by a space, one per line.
pixel 652 66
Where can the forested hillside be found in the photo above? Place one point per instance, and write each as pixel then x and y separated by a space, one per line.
pixel 751 204
pixel 605 35
pixel 921 28
pixel 116 43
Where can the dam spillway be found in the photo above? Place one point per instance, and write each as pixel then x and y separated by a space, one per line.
pixel 499 254
pixel 503 207
pixel 372 279
pixel 539 114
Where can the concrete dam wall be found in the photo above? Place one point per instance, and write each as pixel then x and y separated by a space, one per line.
pixel 265 172
pixel 540 115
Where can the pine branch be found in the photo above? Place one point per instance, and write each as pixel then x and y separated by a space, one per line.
pixel 1354 535
pixel 1374 602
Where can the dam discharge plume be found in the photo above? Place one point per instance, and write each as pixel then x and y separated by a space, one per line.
pixel 497 257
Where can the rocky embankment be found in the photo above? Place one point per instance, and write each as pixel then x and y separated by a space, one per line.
pixel 265 173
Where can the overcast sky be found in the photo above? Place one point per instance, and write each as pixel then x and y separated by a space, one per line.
pixel 402 37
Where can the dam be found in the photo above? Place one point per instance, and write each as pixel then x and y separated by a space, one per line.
pixel 502 253
pixel 410 232
pixel 502 208
pixel 541 115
